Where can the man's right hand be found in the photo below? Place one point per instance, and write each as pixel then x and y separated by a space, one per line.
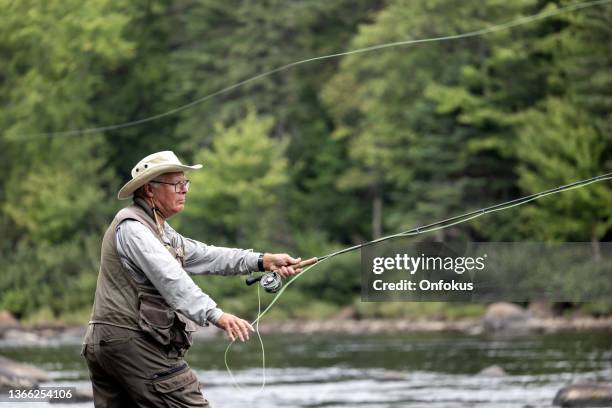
pixel 234 326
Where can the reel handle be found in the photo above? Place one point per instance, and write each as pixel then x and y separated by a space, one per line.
pixel 253 279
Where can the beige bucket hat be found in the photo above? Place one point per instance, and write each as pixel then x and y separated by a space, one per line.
pixel 150 167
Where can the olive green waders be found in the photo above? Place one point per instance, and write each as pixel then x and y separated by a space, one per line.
pixel 128 369
pixel 135 341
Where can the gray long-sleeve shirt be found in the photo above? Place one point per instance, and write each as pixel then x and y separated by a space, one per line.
pixel 147 259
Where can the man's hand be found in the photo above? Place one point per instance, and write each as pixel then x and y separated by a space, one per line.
pixel 282 264
pixel 234 326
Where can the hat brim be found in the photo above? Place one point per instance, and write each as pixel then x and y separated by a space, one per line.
pixel 128 189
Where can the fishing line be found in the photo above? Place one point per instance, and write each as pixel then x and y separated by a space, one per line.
pixel 263 351
pixel 255 322
pixel 483 31
pixel 435 226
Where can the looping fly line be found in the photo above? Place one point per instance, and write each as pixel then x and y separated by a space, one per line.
pixel 483 31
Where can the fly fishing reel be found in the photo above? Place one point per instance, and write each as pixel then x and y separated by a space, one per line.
pixel 271 281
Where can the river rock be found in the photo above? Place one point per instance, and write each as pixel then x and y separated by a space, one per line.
pixel 493 371
pixel 541 309
pixel 21 336
pixel 505 316
pixel 19 375
pixel 7 321
pixel 8 382
pixel 347 312
pixel 584 395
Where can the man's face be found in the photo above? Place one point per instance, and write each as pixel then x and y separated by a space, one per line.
pixel 169 200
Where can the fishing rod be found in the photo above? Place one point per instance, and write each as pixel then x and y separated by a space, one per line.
pixel 272 282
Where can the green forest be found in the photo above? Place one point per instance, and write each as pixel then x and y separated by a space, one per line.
pixel 317 157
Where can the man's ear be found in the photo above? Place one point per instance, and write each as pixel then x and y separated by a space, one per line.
pixel 148 190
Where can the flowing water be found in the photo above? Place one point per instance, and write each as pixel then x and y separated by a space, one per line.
pixel 431 370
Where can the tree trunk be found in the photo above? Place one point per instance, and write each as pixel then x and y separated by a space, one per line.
pixel 377 206
pixel 595 244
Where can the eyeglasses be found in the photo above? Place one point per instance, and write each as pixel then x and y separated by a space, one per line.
pixel 179 186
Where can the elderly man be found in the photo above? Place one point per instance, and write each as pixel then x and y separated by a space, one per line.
pixel 145 303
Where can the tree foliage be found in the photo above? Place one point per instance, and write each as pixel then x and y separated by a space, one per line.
pixel 316 157
pixel 237 196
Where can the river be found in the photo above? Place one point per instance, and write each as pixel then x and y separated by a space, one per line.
pixel 433 370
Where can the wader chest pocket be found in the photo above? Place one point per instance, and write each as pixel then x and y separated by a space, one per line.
pixel 185 329
pixel 156 318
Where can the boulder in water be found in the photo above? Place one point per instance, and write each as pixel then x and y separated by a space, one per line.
pixel 493 371
pixel 504 317
pixel 19 375
pixel 584 395
pixel 7 321
pixel 21 336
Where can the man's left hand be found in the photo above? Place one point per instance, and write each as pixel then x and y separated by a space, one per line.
pixel 282 264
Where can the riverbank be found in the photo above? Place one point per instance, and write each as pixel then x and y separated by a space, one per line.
pixel 468 326
pixel 499 318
